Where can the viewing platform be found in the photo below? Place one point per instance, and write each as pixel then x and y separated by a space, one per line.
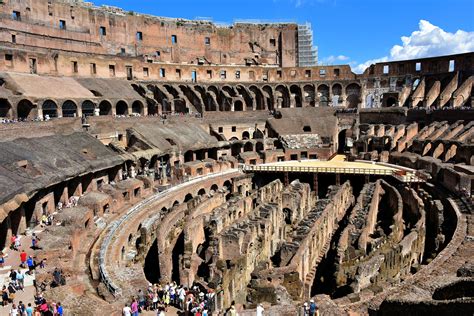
pixel 339 165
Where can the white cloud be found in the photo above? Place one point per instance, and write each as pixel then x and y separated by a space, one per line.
pixel 334 59
pixel 429 41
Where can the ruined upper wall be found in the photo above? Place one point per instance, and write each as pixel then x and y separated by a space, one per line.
pixel 76 26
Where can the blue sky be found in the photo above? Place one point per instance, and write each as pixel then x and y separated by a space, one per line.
pixel 357 32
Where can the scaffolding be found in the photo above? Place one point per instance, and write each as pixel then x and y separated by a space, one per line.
pixel 307 53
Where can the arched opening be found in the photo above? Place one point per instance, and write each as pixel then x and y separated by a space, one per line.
pixel 236 149
pixel 296 94
pixel 287 214
pixel 228 185
pixel 323 95
pixel 353 95
pixel 121 108
pixel 152 264
pixel 188 156
pixel 105 108
pixel 178 251
pixel 5 109
pixel 245 135
pixel 248 147
pixel 202 192
pixel 238 106
pixel 25 110
pixel 258 96
pixel 336 94
pixel 259 147
pixel 152 108
pixel 309 95
pixel 88 108
pixel 180 106
pixel 391 102
pixel 50 109
pixel 137 108
pixel 188 197
pixel 341 141
pixel 268 94
pixel 69 109
pixel 282 96
pixel 214 188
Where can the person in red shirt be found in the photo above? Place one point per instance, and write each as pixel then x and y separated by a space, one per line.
pixel 23 257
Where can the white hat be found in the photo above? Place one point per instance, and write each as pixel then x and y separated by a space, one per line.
pixel 305 304
pixel 311 300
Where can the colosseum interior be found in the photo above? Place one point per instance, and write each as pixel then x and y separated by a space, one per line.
pixel 168 150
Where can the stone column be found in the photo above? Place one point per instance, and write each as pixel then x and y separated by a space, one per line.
pixel 316 185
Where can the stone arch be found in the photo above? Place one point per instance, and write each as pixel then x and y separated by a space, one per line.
pixel 248 147
pixel 236 149
pixel 336 91
pixel 258 97
pixel 323 95
pixel 309 94
pixel 238 105
pixel 228 185
pixel 188 197
pixel 25 110
pixel 5 109
pixel 137 107
pixel 214 187
pixel 295 91
pixel 353 95
pixel 282 96
pixel 246 135
pixel 121 108
pixel 189 156
pixel 288 213
pixel 269 96
pixel 201 192
pixel 88 108
pixel 50 108
pixel 69 109
pixel 152 107
pixel 105 108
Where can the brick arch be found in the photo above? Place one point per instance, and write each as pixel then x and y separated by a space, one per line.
pixel 6 110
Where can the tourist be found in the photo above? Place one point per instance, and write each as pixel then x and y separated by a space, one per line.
pixel 14 310
pixel 2 259
pixel 305 309
pixel 141 300
pixel 23 257
pixel 29 310
pixel 4 296
pixel 134 307
pixel 60 311
pixel 21 308
pixel 31 265
pixel 12 242
pixel 17 243
pixel 20 277
pixel 260 310
pixel 126 311
pixel 313 308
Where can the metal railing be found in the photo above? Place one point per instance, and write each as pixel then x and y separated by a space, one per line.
pixel 304 169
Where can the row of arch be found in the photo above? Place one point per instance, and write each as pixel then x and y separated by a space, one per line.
pixel 183 98
pixel 27 110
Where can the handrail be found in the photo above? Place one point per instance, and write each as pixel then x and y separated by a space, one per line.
pixel 115 290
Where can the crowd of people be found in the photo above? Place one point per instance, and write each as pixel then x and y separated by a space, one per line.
pixel 193 301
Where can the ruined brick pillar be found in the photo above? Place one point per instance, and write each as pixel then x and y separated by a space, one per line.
pixel 316 184
pixel 22 223
pixel 286 178
pixel 338 179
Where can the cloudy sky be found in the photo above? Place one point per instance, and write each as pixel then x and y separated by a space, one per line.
pixel 355 32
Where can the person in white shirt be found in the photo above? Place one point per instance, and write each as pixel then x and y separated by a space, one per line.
pixel 14 310
pixel 127 311
pixel 260 310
